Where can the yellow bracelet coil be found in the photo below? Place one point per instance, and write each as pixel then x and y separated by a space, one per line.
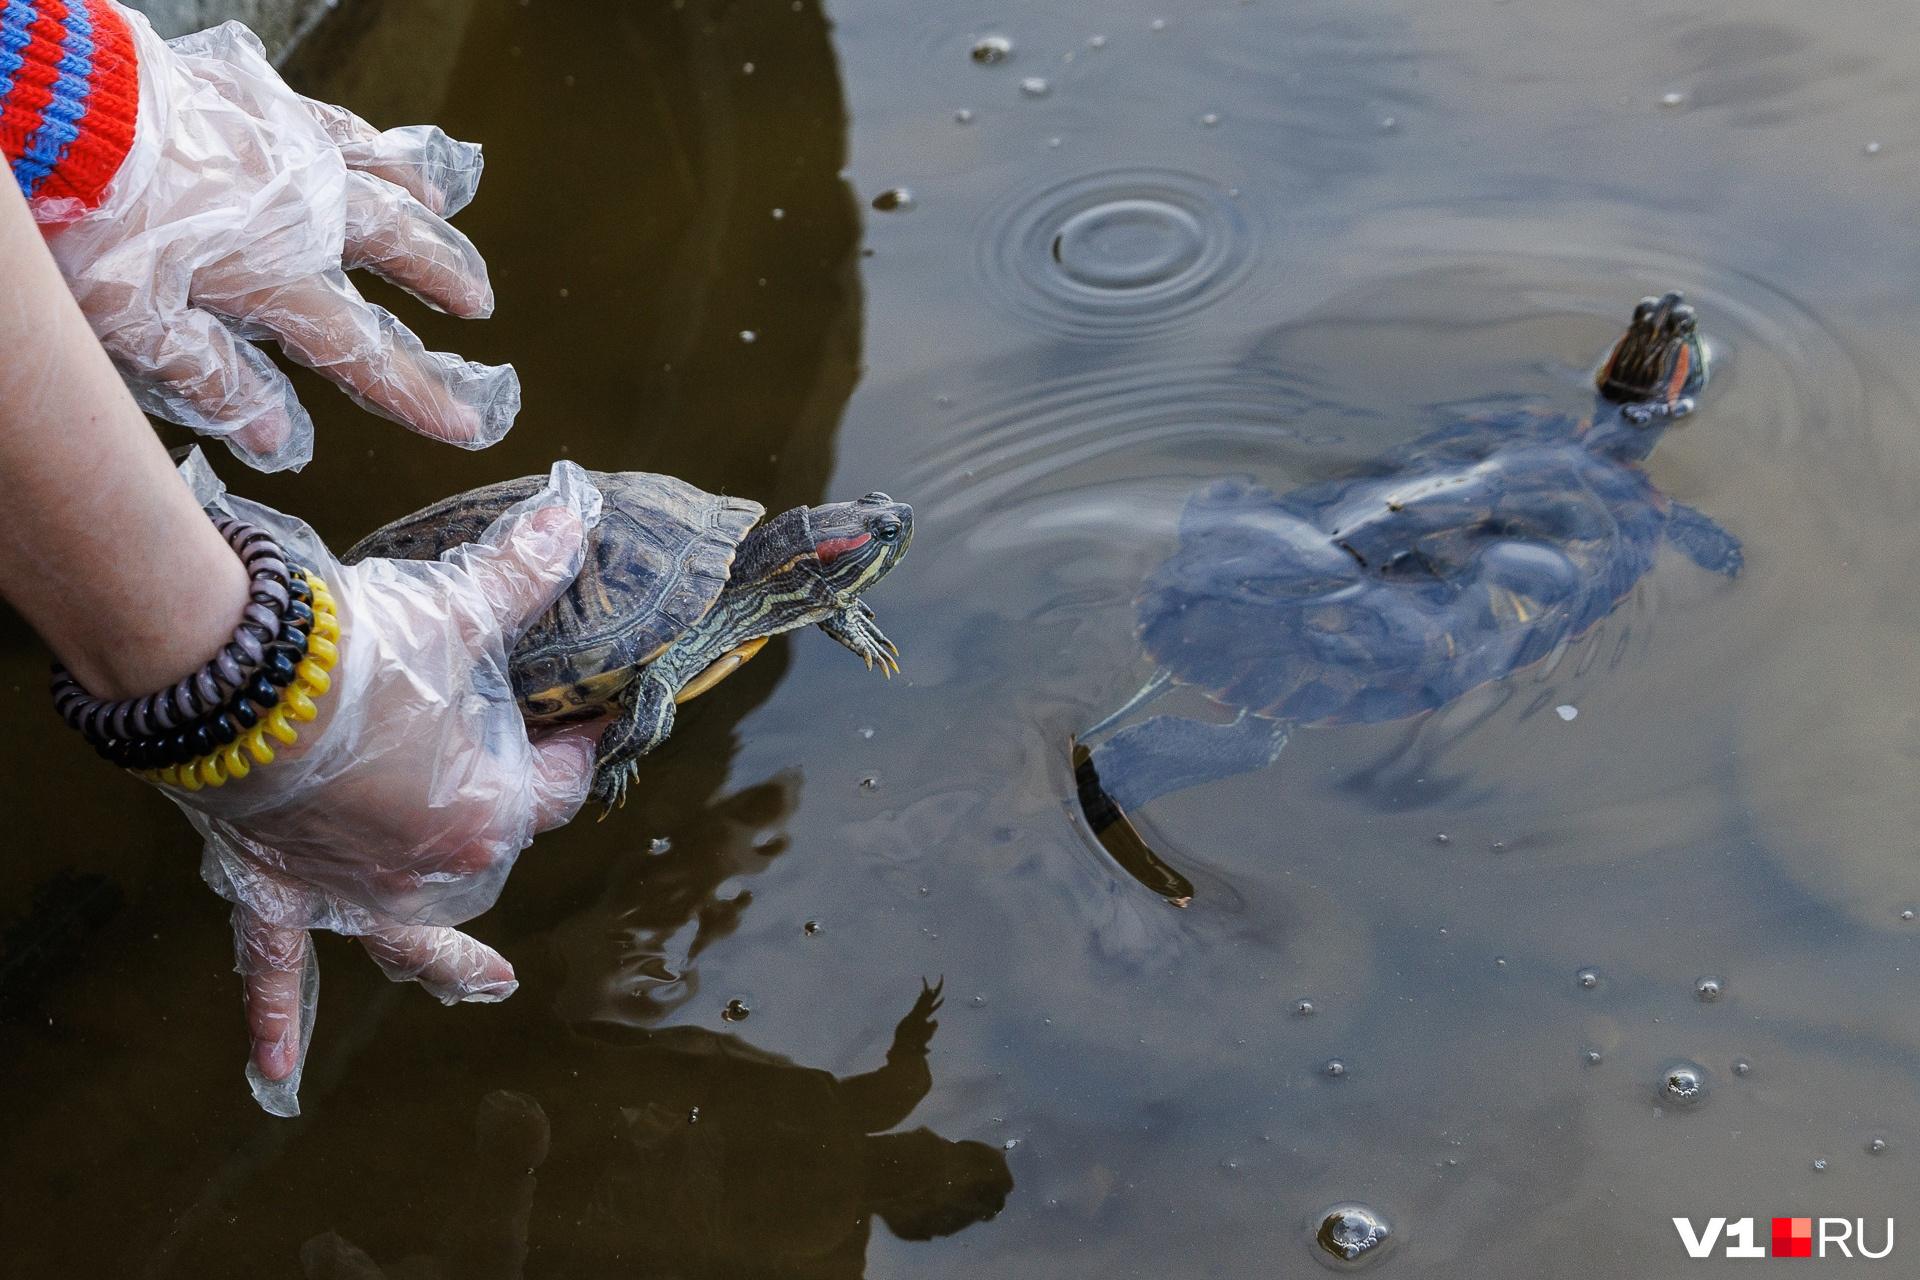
pixel 310 681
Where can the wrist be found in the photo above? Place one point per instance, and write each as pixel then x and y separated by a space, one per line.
pixel 143 645
pixel 216 722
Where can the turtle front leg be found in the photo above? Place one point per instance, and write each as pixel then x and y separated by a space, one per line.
pixel 643 724
pixel 854 627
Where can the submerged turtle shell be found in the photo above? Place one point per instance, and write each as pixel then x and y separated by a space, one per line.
pixel 1449 562
pixel 655 564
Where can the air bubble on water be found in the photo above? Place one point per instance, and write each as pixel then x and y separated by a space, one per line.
pixel 1683 1084
pixel 1877 1146
pixel 1907 914
pixel 1499 962
pixel 869 784
pixel 1351 1232
pixel 866 731
pixel 924 891
pixel 1010 1144
pixel 1709 989
pixel 748 335
pixel 1303 1009
pixel 963 116
pixel 1333 1068
pixel 1566 711
pixel 990 49
pixel 778 214
pixel 1498 846
pixel 746 68
pixel 1035 87
pixel 894 200
pixel 1210 119
pixel 1096 42
pixel 1588 978
pixel 1158 24
pixel 736 1011
pixel 1386 124
pixel 659 845
pixel 1873 148
pixel 1819 1164
pixel 1442 837
pixel 1673 100
pixel 979 1001
pixel 1742 1067
pixel 811 927
pixel 1592 1057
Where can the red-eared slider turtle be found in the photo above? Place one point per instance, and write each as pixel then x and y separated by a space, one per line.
pixel 1446 563
pixel 678 590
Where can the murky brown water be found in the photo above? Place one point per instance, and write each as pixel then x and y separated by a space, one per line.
pixel 1264 239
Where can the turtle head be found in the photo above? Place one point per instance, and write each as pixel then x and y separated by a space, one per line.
pixel 1658 363
pixel 858 543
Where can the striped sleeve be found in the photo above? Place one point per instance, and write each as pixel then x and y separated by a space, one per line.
pixel 69 96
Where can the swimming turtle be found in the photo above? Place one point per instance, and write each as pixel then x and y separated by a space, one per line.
pixel 678 590
pixel 1444 564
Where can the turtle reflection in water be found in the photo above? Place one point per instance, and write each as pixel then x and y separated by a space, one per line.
pixel 683 1152
pixel 1446 563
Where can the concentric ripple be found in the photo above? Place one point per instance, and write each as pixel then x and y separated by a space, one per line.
pixel 1118 254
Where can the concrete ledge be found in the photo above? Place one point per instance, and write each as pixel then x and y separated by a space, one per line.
pixel 280 24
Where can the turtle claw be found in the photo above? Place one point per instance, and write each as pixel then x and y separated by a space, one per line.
pixel 854 627
pixel 612 794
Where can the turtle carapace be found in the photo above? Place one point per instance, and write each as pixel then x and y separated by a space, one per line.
pixel 1447 563
pixel 679 589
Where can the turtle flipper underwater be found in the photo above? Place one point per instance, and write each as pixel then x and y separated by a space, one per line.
pixel 679 589
pixel 1452 561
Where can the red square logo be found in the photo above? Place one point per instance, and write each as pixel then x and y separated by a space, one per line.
pixel 1793 1237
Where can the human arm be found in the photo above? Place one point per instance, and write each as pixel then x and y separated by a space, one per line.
pixel 103 551
pixel 109 556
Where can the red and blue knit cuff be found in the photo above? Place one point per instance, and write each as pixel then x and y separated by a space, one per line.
pixel 69 96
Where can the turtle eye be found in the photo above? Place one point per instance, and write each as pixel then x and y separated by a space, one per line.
pixel 887 531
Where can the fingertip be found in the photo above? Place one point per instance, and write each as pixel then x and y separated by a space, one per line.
pixel 494 982
pixel 548 541
pixel 277 1057
pixel 267 434
pixel 563 766
pixel 474 301
pixel 558 524
pixel 568 756
pixel 449 420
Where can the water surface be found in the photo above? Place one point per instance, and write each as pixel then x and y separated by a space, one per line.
pixel 1258 239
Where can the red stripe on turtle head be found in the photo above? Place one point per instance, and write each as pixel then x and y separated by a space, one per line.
pixel 833 548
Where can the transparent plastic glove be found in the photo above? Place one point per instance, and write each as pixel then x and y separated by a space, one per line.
pixel 401 809
pixel 233 219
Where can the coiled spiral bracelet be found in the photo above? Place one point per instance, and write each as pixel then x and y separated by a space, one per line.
pixel 202 731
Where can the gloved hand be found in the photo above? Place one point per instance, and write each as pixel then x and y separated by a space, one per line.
pixel 402 807
pixel 233 217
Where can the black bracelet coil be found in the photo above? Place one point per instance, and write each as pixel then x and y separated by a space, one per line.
pixel 211 707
